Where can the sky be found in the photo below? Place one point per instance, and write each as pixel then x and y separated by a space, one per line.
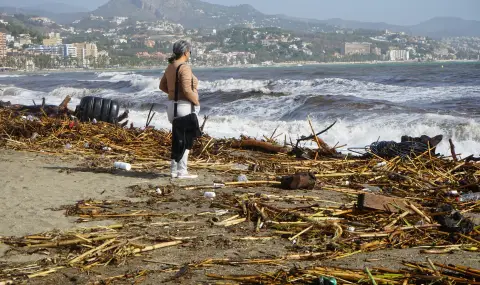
pixel 399 12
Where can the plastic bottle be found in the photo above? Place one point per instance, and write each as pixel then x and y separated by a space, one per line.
pixel 469 197
pixel 209 195
pixel 123 166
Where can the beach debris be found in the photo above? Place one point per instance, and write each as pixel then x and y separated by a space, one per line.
pixel 209 195
pixel 382 203
pixel 372 189
pixel 123 166
pixel 242 178
pixel 413 273
pixel 470 197
pixel 36 111
pixel 310 225
pixel 299 181
pixel 259 145
pixel 409 146
pixel 453 221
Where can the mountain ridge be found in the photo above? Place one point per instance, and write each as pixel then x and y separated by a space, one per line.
pixel 200 14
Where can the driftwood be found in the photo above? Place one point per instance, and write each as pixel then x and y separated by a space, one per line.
pixel 383 203
pixel 264 146
pixel 40 110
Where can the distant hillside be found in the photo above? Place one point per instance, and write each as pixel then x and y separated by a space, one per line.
pixel 436 28
pixel 198 14
pixel 346 24
pixel 447 27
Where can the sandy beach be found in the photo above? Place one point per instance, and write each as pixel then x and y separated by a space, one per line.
pixel 35 185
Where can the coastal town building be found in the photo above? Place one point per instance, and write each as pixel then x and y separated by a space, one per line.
pixel 10 38
pixel 69 50
pixel 54 51
pixel 24 39
pixel 3 45
pixel 86 52
pixel 356 48
pixel 399 55
pixel 52 41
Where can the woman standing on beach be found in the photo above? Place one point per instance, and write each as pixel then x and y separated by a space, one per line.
pixel 181 86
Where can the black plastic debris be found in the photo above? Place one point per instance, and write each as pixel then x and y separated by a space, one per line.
pixel 453 221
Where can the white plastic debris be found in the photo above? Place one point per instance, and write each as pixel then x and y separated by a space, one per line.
pixel 380 165
pixel 209 195
pixel 123 166
pixel 218 185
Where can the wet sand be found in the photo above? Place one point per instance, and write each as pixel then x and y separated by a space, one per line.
pixel 34 186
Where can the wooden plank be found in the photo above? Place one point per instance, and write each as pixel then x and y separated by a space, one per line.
pixel 383 203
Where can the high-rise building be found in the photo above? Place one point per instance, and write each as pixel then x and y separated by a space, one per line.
pixel 69 50
pixel 377 51
pixel 3 45
pixel 399 55
pixel 357 48
pixel 86 52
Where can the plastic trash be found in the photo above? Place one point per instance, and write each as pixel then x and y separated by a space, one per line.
pixel 68 146
pixel 34 136
pixel 327 281
pixel 94 121
pixel 123 166
pixel 159 191
pixel 106 148
pixel 221 212
pixel 351 229
pixel 218 185
pixel 86 145
pixel 380 165
pixel 452 193
pixel 469 197
pixel 209 195
pixel 242 178
pixel 372 189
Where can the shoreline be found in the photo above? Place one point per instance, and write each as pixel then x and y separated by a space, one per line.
pixel 274 65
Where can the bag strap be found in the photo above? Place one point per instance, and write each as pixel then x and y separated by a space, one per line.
pixel 176 91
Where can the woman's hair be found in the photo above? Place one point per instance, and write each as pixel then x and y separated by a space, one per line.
pixel 179 48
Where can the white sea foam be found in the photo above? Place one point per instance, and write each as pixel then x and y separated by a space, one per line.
pixel 356 133
pixel 327 86
pixel 338 86
pixel 111 73
pixel 260 114
pixel 11 75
